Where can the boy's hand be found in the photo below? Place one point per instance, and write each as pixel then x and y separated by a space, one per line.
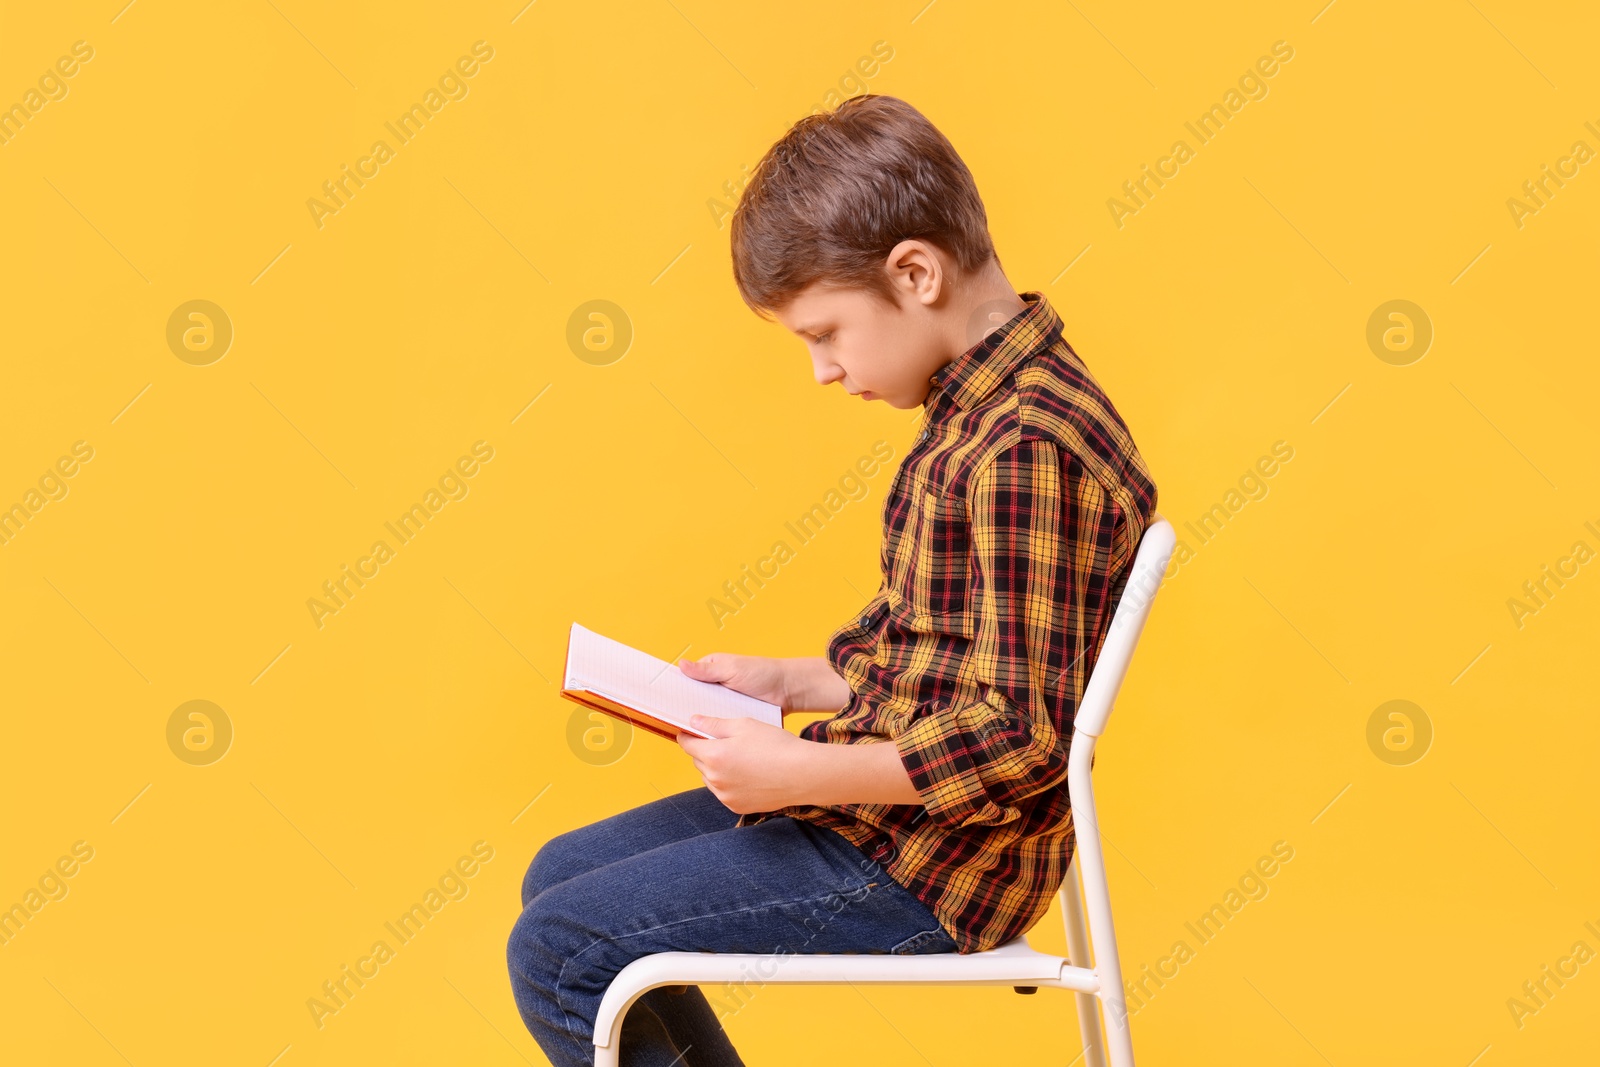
pixel 747 764
pixel 761 677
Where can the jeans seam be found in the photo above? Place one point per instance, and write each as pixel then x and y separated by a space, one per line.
pixel 918 938
pixel 561 975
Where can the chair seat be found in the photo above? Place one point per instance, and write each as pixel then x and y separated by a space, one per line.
pixel 1013 963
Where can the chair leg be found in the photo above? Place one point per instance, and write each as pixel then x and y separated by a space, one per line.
pixel 1094 1050
pixel 1097 904
pixel 610 1054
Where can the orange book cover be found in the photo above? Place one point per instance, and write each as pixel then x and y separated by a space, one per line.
pixel 641 719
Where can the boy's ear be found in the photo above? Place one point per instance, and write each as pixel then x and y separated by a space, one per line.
pixel 915 271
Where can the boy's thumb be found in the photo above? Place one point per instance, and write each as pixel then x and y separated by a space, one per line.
pixel 704 665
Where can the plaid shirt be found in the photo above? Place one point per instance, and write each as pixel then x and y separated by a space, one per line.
pixel 1008 533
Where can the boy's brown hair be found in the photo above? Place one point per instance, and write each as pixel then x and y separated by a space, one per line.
pixel 835 194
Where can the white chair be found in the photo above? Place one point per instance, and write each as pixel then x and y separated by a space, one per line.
pixel 1091 969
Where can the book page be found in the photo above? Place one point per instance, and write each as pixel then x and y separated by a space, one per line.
pixel 639 680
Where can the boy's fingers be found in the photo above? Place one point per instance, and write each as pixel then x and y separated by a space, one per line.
pixel 711 724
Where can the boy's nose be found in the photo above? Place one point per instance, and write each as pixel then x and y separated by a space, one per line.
pixel 828 373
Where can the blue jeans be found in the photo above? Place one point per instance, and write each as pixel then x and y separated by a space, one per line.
pixel 676 874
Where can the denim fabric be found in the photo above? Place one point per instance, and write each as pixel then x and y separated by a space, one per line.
pixel 677 874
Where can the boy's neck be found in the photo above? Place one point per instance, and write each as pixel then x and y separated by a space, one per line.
pixel 981 305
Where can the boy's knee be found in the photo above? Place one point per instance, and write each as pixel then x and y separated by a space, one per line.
pixel 529 946
pixel 553 864
pixel 533 880
pixel 551 929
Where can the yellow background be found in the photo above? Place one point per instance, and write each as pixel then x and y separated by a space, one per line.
pixel 369 353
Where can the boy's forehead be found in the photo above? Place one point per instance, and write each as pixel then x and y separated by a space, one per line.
pixel 815 306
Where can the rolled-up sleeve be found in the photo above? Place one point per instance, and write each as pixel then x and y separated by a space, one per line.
pixel 1006 738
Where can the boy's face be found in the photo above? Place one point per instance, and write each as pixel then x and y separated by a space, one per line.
pixel 875 351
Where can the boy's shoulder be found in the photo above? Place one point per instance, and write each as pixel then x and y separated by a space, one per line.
pixel 1052 395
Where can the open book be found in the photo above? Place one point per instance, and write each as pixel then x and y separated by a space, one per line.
pixel 650 693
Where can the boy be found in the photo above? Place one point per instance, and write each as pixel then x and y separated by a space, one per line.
pixel 930 813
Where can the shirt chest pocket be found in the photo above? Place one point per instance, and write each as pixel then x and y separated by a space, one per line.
pixel 936 591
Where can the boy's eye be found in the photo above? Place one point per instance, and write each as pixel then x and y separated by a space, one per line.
pixel 824 337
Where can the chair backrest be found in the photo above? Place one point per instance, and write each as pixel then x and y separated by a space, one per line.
pixel 1127 622
pixel 1090 934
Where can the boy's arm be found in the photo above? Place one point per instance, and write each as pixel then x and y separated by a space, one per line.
pixel 973 761
pixel 866 773
pixel 811 684
pixel 970 763
pixel 1043 537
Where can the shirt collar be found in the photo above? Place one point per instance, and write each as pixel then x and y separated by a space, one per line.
pixel 974 374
